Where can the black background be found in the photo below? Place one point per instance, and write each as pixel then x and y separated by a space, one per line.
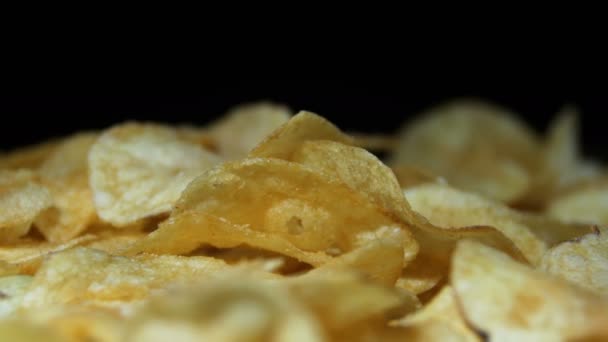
pixel 370 106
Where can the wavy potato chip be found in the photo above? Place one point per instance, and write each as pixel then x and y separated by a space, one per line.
pixel 88 277
pixel 26 257
pixel 65 174
pixel 22 199
pixel 269 202
pixel 475 146
pixel 229 309
pixel 510 301
pixel 583 261
pixel 12 289
pixel 304 126
pixel 448 207
pixel 587 205
pixel 245 126
pixel 139 170
pixel 439 320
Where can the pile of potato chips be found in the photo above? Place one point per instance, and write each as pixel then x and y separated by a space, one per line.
pixel 268 226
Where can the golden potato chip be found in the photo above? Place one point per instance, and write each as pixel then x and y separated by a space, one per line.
pixel 25 257
pixel 89 277
pixel 139 170
pixel 29 157
pixel 379 257
pixel 65 174
pixel 475 146
pixel 343 299
pixel 285 140
pixel 448 207
pixel 584 261
pixel 270 204
pixel 439 320
pixel 509 301
pixel 12 289
pixel 245 126
pixel 230 309
pixel 21 201
pixel 587 205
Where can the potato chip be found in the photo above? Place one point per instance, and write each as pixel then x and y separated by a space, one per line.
pixel 304 126
pixel 439 320
pixel 245 126
pixel 65 174
pixel 447 207
pixel 230 309
pixel 269 204
pixel 379 258
pixel 139 170
pixel 93 278
pixel 25 258
pixel 587 205
pixel 583 261
pixel 475 146
pixel 21 201
pixel 12 289
pixel 509 301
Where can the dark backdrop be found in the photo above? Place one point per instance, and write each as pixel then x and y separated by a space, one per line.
pixel 362 106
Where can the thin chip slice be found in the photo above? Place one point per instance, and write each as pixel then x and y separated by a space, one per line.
pixel 583 261
pixel 448 207
pixel 587 205
pixel 379 258
pixel 227 309
pixel 245 126
pixel 285 140
pixel 139 170
pixel 22 199
pixel 439 320
pixel 26 257
pixel 12 289
pixel 88 277
pixel 268 203
pixel 65 174
pixel 475 146
pixel 510 301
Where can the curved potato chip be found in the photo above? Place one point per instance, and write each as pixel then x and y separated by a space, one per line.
pixel 12 289
pixel 588 205
pixel 25 258
pixel 285 140
pixel 379 259
pixel 270 204
pixel 85 276
pixel 447 207
pixel 139 170
pixel 475 146
pixel 583 261
pixel 228 309
pixel 245 126
pixel 21 201
pixel 65 174
pixel 510 301
pixel 439 320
